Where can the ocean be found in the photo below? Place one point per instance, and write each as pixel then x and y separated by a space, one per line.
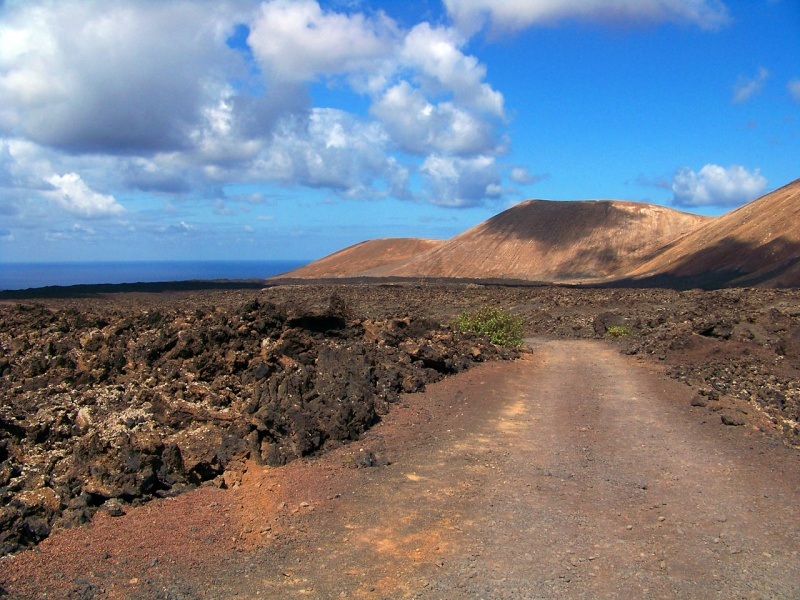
pixel 20 276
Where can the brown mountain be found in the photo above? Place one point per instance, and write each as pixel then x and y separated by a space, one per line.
pixel 543 240
pixel 537 240
pixel 756 244
pixel 362 257
pixel 599 241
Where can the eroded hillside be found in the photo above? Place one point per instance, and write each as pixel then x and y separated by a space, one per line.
pixel 598 242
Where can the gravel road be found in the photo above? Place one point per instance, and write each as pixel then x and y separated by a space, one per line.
pixel 575 472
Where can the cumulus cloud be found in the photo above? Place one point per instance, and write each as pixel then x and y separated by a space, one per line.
pixel 794 89
pixel 218 138
pixel 76 74
pixel 15 183
pixel 716 186
pixel 436 53
pixel 186 111
pixel 515 15
pixel 23 166
pixel 461 182
pixel 417 126
pixel 746 87
pixel 332 149
pixel 434 99
pixel 73 195
pixel 298 41
pixel 402 73
pixel 6 165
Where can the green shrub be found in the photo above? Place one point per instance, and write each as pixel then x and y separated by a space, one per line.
pixel 619 331
pixel 502 328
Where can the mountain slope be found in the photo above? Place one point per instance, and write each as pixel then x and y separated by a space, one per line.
pixel 757 244
pixel 598 241
pixel 360 258
pixel 552 241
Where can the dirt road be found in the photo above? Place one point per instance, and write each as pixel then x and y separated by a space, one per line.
pixel 575 472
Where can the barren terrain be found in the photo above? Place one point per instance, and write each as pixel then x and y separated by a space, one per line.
pixel 535 240
pixel 657 464
pixel 601 241
pixel 366 256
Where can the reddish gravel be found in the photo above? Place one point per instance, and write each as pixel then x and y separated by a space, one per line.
pixel 575 472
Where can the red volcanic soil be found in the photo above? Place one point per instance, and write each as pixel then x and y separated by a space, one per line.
pixel 658 463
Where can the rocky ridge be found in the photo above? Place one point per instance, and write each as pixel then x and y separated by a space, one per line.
pixel 113 400
pixel 112 404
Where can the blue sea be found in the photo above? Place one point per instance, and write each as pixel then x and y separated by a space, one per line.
pixel 20 276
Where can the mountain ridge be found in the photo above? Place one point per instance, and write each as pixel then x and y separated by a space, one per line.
pixel 597 242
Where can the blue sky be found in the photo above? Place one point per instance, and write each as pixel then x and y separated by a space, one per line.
pixel 149 130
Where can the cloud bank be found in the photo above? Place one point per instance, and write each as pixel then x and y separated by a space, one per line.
pixel 180 98
pixel 161 90
pixel 104 103
pixel 109 77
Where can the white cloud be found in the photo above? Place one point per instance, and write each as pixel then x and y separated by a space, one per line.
pixel 23 165
pixel 419 127
pixel 148 96
pixel 515 15
pixel 794 89
pixel 461 182
pixel 77 75
pixel 298 41
pixel 74 196
pixel 182 228
pixel 435 52
pixel 332 149
pixel 7 163
pixel 83 229
pixel 217 139
pixel 716 186
pixel 746 87
pixel 442 104
pixel 522 176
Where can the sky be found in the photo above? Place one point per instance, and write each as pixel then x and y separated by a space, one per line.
pixel 289 129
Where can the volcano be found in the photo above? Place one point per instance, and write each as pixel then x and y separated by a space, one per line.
pixel 597 242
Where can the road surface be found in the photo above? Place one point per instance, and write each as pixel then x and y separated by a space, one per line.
pixel 575 472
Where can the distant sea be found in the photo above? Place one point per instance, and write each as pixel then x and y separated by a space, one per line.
pixel 20 276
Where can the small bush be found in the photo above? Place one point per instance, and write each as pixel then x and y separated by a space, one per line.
pixel 502 328
pixel 616 331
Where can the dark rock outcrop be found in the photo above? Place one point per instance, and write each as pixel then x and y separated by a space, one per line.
pixel 103 408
